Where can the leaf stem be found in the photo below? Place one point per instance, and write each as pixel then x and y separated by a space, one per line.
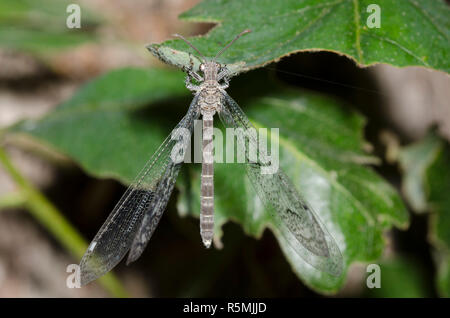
pixel 12 200
pixel 53 220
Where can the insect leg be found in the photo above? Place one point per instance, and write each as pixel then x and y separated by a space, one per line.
pixel 224 75
pixel 189 85
pixel 191 72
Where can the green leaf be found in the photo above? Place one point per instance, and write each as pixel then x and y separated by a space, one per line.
pixel 103 126
pixel 438 183
pixel 400 278
pixel 321 150
pixel 432 178
pixel 412 32
pixel 414 161
pixel 443 279
pixel 40 26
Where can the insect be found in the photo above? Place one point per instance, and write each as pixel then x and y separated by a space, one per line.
pixel 133 220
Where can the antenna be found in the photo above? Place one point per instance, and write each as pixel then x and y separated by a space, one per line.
pixel 190 44
pixel 229 44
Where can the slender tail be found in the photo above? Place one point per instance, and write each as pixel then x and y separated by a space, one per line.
pixel 207 180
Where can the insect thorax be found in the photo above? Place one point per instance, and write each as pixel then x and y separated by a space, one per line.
pixel 209 97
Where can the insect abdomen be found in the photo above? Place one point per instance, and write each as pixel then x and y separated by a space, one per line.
pixel 207 182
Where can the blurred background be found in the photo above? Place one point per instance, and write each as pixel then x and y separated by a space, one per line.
pixel 36 74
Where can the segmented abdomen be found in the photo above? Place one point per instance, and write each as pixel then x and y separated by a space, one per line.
pixel 207 182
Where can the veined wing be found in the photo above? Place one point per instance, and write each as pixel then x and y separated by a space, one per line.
pixel 294 216
pixel 154 212
pixel 144 200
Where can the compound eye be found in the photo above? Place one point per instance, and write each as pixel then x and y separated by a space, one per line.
pixel 202 67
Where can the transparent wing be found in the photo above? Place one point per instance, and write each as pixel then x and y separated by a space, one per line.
pixel 154 213
pixel 296 220
pixel 142 203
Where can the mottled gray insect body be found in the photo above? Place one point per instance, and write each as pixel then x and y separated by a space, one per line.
pixel 210 94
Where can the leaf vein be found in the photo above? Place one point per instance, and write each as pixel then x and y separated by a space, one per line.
pixel 428 17
pixel 401 47
pixel 357 20
pixel 319 18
